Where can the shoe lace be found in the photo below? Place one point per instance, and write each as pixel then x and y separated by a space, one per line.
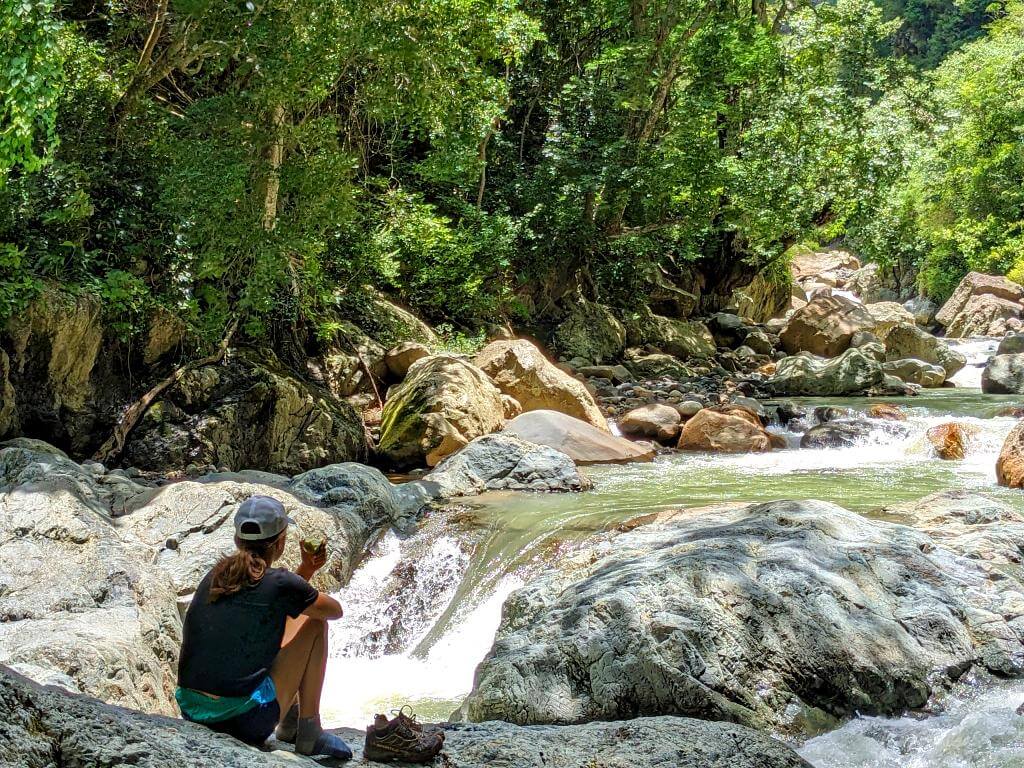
pixel 407 719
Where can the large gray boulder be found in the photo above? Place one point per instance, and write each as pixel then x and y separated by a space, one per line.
pixel 503 462
pixel 92 564
pixel 1003 375
pixel 785 616
pixel 38 723
pixel 1011 344
pixel 853 372
pixel 826 326
pixel 909 341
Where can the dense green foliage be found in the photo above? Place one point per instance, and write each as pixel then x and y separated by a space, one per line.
pixel 958 203
pixel 484 160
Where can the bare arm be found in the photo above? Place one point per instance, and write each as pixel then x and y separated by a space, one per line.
pixel 326 608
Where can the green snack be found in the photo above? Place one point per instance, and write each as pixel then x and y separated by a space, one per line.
pixel 315 545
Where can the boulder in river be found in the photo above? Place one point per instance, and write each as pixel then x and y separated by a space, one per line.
pixel 1003 375
pixel 443 403
pixel 521 370
pixel 36 723
pixel 950 441
pixel 825 326
pixel 1011 344
pixel 837 434
pixel 981 305
pixel 909 341
pixel 734 430
pixel 656 421
pixel 851 373
pixel 507 463
pixel 582 442
pixel 1010 464
pixel 912 371
pixel 787 615
pixel 886 412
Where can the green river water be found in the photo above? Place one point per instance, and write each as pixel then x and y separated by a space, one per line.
pixel 455 573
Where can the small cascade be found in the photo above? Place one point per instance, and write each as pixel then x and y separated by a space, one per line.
pixel 979 728
pixel 978 351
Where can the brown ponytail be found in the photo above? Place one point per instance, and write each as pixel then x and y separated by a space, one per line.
pixel 242 569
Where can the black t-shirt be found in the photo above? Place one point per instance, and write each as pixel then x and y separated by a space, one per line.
pixel 228 646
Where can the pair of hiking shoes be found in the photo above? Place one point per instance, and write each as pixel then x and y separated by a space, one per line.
pixel 401 740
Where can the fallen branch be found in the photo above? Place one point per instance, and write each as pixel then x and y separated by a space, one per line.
pixel 112 448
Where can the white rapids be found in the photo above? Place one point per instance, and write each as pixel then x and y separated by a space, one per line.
pixel 978 351
pixel 979 728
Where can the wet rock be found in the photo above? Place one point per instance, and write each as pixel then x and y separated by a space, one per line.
pixel 658 422
pixel 826 326
pixel 505 462
pixel 787 615
pixel 1010 464
pixel 520 370
pixel 950 441
pixel 36 723
pixel 837 434
pixel 247 412
pixel 442 405
pixel 980 305
pixel 909 341
pixel 581 441
pixel 804 374
pixel 1011 344
pixel 916 372
pixel 400 358
pixel 738 430
pixel 590 331
pixel 788 411
pixel 886 412
pixel 1003 375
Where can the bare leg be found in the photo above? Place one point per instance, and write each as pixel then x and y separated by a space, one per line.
pixel 301 664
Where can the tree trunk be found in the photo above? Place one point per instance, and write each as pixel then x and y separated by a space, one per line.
pixel 274 157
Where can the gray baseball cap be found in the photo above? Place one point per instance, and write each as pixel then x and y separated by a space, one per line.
pixel 260 517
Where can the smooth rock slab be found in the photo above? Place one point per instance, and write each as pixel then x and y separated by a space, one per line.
pixel 582 442
pixel 38 723
pixel 787 615
pixel 853 372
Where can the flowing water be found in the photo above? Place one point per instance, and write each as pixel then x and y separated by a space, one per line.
pixel 422 611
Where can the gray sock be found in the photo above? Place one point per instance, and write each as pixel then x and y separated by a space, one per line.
pixel 289 725
pixel 308 732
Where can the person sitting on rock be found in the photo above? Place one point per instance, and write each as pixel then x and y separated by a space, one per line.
pixel 255 640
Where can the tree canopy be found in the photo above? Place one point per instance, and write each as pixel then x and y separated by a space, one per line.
pixel 267 161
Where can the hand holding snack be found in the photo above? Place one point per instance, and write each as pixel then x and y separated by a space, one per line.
pixel 314 552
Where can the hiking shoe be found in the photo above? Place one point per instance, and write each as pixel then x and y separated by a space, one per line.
pixel 409 721
pixel 402 740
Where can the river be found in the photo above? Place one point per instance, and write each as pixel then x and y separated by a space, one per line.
pixel 422 611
